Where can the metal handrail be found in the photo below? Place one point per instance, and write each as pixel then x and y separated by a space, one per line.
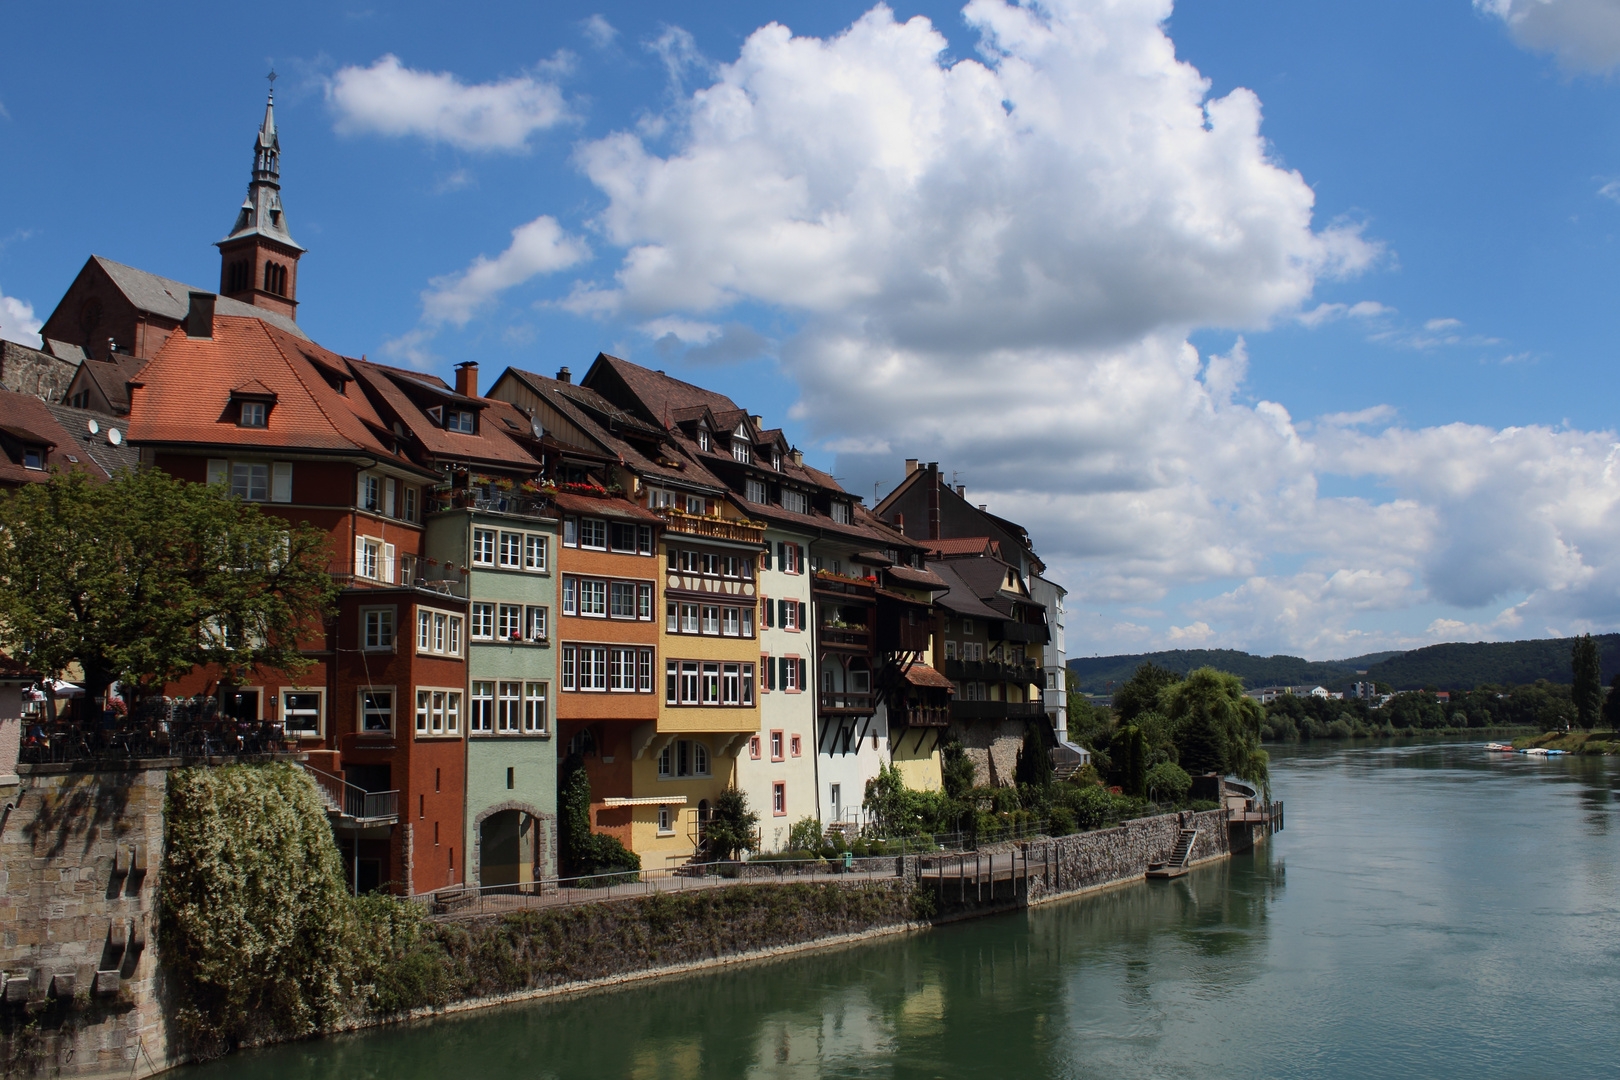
pixel 353 801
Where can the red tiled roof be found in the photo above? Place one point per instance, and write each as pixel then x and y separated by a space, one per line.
pixel 490 444
pixel 611 507
pixel 966 545
pixel 183 393
pixel 923 675
pixel 925 579
pixel 661 394
pixel 26 419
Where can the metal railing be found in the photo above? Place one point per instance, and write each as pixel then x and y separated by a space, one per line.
pixel 462 902
pixel 352 801
pixel 155 728
pixel 718 528
pixel 996 710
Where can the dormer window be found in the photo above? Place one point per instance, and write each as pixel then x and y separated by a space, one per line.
pixel 253 401
pixel 741 451
pixel 776 460
pixel 459 420
pixel 795 502
pixel 34 457
pixel 704 442
pixel 254 414
pixel 840 512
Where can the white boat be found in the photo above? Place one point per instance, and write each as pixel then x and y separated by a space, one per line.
pixel 1540 751
pixel 1499 746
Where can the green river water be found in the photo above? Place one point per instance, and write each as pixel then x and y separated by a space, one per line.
pixel 1431 911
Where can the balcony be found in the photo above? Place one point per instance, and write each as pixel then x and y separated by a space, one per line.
pixel 921 716
pixel 845 637
pixel 846 703
pixel 354 806
pixel 845 589
pixel 997 710
pixel 993 671
pixel 493 500
pixel 1020 631
pixel 713 528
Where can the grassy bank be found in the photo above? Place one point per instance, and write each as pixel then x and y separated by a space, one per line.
pixel 1575 742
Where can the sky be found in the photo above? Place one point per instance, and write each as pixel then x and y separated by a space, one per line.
pixel 1278 325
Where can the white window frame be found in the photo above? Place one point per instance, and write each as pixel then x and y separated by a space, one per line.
pixel 439 632
pixel 536 708
pixel 536 622
pixel 795 502
pixel 483 546
pixel 509 550
pixel 509 707
pixel 481 620
pixel 593 534
pixel 481 710
pixel 319 730
pixel 757 491
pixel 438 712
pixel 534 553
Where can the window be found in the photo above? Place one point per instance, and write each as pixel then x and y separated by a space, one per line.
pixel 689 619
pixel 570 532
pixel 779 800
pixel 534 553
pixel 840 512
pixel 747 622
pixel 509 622
pixel 753 747
pixel 438 632
pixel 622 600
pixel 592 597
pixel 34 458
pixel 622 670
pixel 438 712
pixel 407 569
pixel 729 566
pixel 377 711
pixel 666 821
pixel 459 420
pixel 731 684
pixel 368 558
pixel 644 602
pixel 253 414
pixel 795 502
pixel 967 626
pixel 483 547
pixel 711 565
pixel 711 619
pixel 682 758
pixel 741 451
pixel 370 492
pixel 593 533
pixel 950 649
pixel 250 482
pixel 776 746
pixel 535 624
pixel 672 617
pixel 644 540
pixel 687 561
pixel 511 550
pixel 481 721
pixel 658 497
pixel 790 673
pixel 410 504
pixel 584 667
pixel 776 460
pixel 710 686
pixel 756 491
pixel 622 537
pixel 796 746
pixel 695 504
pixel 787 558
pixel 730 622
pixel 483 622
pixel 704 442
pixel 301 711
pixel 509 708
pixel 534 708
pixel 379 627
pixel 570 596
pixel 790 614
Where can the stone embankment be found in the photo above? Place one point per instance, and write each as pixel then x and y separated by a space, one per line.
pixel 81 854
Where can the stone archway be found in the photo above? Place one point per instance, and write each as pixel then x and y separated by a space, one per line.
pixel 542 834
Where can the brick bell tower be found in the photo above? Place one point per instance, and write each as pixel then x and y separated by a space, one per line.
pixel 259 259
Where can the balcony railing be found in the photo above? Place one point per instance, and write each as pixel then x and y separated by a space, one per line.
pixel 845 637
pixel 847 702
pixel 993 671
pixel 996 710
pixel 859 590
pixel 1021 631
pixel 923 716
pixel 350 801
pixel 715 528
pixel 494 500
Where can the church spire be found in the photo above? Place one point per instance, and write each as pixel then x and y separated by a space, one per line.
pixel 259 259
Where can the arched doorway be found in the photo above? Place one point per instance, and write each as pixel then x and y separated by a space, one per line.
pixel 509 848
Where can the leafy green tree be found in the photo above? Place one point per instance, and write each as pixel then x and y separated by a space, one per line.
pixel 1168 782
pixel 1143 692
pixel 731 828
pixel 574 818
pixel 1216 725
pixel 1034 765
pixel 891 805
pixel 1611 705
pixel 1587 690
pixel 957 770
pixel 806 835
pixel 145 577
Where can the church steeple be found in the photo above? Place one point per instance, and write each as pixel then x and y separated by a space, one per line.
pixel 259 259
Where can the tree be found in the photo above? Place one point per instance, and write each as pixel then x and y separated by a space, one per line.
pixel 1217 725
pixel 1588 689
pixel 956 770
pixel 1167 782
pixel 574 818
pixel 731 826
pixel 1034 764
pixel 1611 705
pixel 145 577
pixel 1143 691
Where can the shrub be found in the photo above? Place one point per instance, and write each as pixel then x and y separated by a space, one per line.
pixel 806 833
pixel 1339 729
pixel 1062 821
pixel 1168 782
pixel 731 827
pixel 956 770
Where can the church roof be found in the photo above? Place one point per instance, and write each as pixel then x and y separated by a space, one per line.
pixel 172 299
pixel 261 213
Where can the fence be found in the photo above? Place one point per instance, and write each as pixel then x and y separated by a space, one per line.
pixel 464 902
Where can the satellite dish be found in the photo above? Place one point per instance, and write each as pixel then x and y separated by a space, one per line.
pixel 535 429
pixel 115 436
pixel 93 426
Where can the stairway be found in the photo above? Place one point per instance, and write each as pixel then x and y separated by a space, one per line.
pixel 1067 760
pixel 1176 864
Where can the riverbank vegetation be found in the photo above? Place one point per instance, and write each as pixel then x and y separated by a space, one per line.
pixel 1574 742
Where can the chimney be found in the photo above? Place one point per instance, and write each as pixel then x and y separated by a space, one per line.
pixel 200 316
pixel 933 500
pixel 797 456
pixel 467 378
pixel 911 465
pixel 759 421
pixel 564 375
pixel 961 491
pixel 899 521
pixel 985 507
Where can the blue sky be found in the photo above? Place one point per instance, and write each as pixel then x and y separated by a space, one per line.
pixel 1310 360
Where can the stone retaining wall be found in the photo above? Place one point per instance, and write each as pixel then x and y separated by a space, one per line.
pixel 1073 864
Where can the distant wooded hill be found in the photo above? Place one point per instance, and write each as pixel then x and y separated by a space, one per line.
pixel 1460 666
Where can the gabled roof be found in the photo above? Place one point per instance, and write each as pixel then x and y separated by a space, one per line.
pixel 658 395
pixel 112 378
pixel 964 546
pixel 962 597
pixel 182 395
pixel 923 675
pixel 171 299
pixel 26 420
pixel 96 447
pixel 391 390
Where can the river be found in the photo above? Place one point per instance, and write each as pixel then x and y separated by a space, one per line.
pixel 1431 911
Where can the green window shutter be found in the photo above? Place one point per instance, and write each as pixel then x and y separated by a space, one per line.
pixel 803 622
pixel 803 685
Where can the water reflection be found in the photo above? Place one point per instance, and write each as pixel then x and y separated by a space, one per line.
pixel 1438 902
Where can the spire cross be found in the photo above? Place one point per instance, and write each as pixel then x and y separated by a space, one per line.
pixel 272 78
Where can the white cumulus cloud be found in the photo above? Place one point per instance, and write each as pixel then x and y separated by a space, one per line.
pixel 1583 34
pixel 540 247
pixel 389 98
pixel 18 322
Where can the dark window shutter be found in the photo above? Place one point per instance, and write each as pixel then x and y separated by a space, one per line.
pixel 765 558
pixel 802 684
pixel 781 613
pixel 781 555
pixel 803 566
pixel 770 612
pixel 803 624
pixel 769 671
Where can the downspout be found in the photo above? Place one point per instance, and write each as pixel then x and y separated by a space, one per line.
pixel 815 681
